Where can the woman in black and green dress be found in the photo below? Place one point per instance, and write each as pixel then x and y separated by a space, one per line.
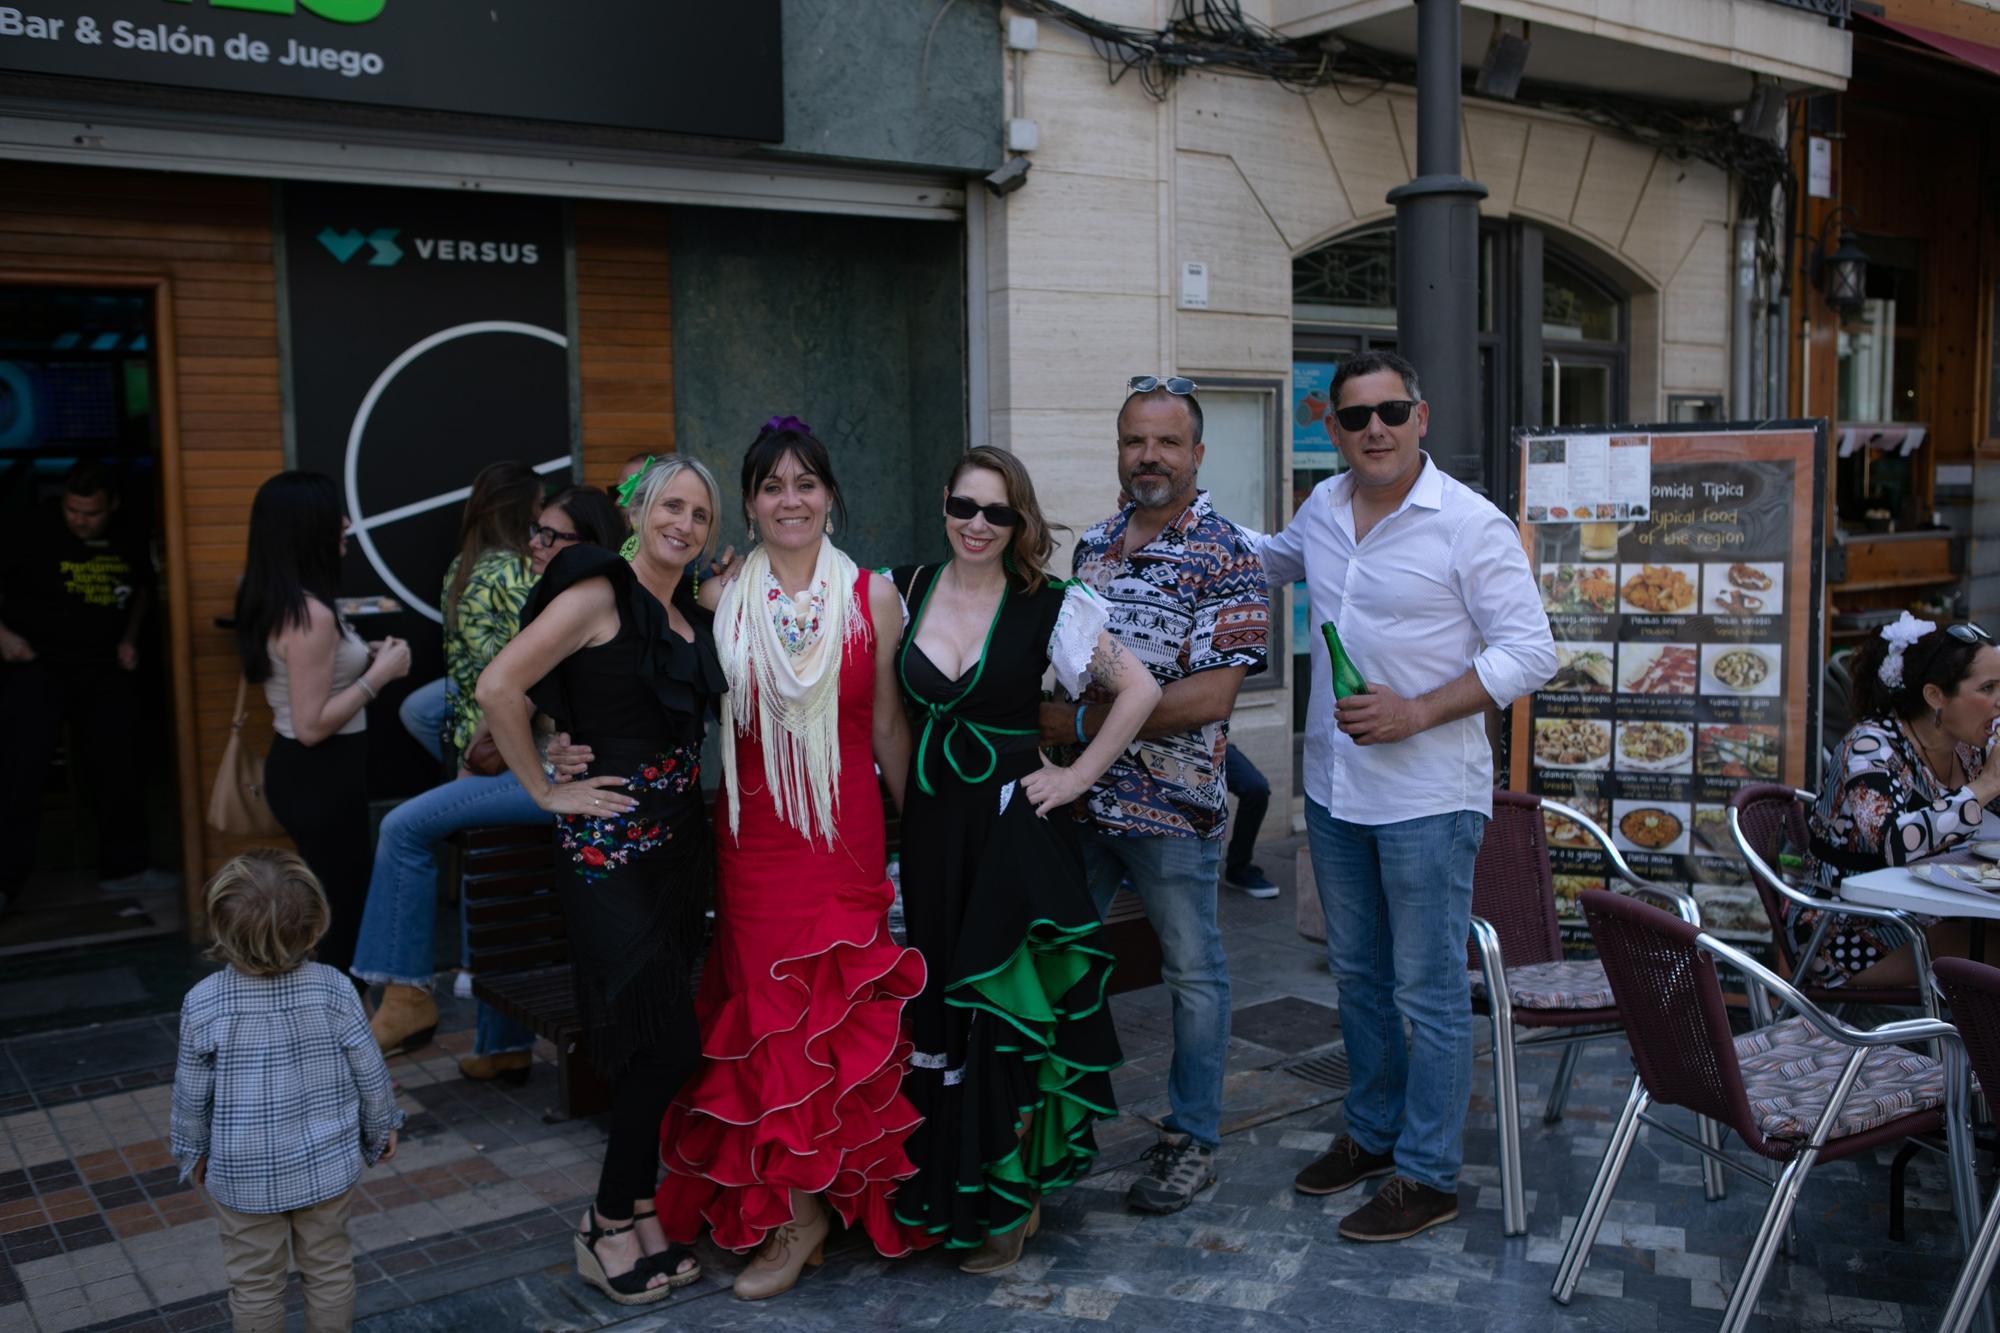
pixel 1014 1042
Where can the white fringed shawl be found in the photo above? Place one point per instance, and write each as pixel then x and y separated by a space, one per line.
pixel 791 702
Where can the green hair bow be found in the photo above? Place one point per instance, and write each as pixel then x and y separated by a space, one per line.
pixel 630 485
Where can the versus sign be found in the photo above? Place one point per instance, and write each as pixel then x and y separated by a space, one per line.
pixel 428 339
pixel 708 70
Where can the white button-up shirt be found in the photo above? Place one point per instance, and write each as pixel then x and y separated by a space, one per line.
pixel 1438 586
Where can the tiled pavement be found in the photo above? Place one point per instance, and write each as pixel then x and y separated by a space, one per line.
pixel 465 1230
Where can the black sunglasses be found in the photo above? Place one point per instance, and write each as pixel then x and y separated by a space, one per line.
pixel 1967 632
pixel 1393 411
pixel 548 536
pixel 1178 384
pixel 964 507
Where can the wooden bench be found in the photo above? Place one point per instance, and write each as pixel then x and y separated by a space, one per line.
pixel 518 946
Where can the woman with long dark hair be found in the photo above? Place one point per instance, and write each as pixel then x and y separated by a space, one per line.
pixel 396 948
pixel 1014 1041
pixel 797 1110
pixel 1914 777
pixel 319 678
pixel 619 655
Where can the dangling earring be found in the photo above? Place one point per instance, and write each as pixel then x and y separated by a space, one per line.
pixel 755 536
pixel 696 590
pixel 829 525
pixel 1937 717
pixel 630 547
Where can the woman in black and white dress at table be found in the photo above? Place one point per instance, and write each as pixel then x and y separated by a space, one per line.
pixel 1914 777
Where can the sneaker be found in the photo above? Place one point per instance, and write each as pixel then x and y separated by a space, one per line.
pixel 1345 1165
pixel 146 881
pixel 1399 1210
pixel 1181 1169
pixel 1251 881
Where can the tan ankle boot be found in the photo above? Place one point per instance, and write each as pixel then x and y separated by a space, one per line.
pixel 406 1020
pixel 1002 1252
pixel 507 1066
pixel 786 1251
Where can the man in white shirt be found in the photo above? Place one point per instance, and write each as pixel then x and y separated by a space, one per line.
pixel 1431 595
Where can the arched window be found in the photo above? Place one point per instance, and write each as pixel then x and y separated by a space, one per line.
pixel 1583 345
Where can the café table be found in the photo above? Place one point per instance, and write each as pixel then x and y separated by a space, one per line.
pixel 1910 889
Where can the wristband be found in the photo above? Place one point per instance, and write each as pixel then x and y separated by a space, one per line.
pixel 366 688
pixel 1081 739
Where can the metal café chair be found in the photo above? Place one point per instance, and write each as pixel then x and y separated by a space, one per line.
pixel 1763 818
pixel 1973 992
pixel 1807 1090
pixel 1521 979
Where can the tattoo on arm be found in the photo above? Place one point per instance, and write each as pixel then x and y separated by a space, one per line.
pixel 1106 661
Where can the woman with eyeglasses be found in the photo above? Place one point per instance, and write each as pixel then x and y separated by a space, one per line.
pixel 1014 1041
pixel 1911 779
pixel 796 1111
pixel 484 587
pixel 398 927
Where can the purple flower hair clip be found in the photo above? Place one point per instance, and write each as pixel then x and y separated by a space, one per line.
pixel 788 423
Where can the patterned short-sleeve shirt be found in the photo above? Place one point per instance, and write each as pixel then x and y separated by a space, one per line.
pixel 1191 600
pixel 488 616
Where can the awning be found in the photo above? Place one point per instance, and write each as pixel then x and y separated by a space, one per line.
pixel 1977 54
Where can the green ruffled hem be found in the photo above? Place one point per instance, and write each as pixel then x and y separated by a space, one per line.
pixel 1027 992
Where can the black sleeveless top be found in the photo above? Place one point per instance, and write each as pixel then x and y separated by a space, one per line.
pixel 984 726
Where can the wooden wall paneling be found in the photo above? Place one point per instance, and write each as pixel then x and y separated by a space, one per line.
pixel 624 318
pixel 203 246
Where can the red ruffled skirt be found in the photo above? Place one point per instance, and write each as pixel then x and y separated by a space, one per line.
pixel 804 1046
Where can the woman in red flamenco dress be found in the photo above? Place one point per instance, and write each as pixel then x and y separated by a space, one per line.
pixel 798 1108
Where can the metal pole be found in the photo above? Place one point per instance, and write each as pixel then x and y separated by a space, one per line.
pixel 1437 258
pixel 1740 323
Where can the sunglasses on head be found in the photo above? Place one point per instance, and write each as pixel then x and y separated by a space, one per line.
pixel 1967 632
pixel 1177 384
pixel 1393 411
pixel 965 507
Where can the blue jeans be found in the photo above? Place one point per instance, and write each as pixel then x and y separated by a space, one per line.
pixel 1398 903
pixel 1175 879
pixel 1253 799
pixel 424 712
pixel 398 925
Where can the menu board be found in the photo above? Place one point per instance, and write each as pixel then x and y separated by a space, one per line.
pixel 1688 644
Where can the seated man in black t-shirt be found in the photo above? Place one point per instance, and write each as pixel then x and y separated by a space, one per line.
pixel 72 600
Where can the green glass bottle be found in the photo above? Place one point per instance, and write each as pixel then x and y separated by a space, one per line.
pixel 1346 676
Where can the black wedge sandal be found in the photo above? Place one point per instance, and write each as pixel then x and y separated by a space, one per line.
pixel 627 1288
pixel 669 1259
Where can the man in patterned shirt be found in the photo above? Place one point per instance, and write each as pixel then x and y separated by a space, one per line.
pixel 1187 595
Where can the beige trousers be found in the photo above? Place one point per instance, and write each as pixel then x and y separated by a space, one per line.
pixel 255 1250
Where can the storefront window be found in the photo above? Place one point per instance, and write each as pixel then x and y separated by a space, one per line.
pixel 1878 343
pixel 1575 306
pixel 1354 282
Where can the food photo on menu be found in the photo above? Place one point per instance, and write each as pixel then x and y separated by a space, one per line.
pixel 1655 747
pixel 1583 668
pixel 1657 590
pixel 1566 832
pixel 1658 668
pixel 1749 669
pixel 1711 831
pixel 1659 827
pixel 1572 742
pixel 1567 887
pixel 1579 590
pixel 1743 588
pixel 1746 751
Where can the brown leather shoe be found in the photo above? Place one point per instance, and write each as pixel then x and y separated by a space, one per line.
pixel 1399 1210
pixel 507 1066
pixel 1345 1165
pixel 406 1020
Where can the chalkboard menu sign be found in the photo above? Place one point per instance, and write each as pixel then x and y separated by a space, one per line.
pixel 1689 646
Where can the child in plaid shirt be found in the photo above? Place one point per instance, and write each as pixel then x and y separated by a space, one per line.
pixel 280 1094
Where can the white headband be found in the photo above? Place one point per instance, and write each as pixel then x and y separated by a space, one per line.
pixel 1905 631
